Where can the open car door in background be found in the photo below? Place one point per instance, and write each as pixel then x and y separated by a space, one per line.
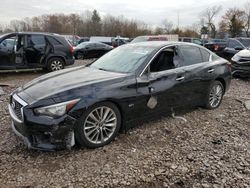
pixel 35 50
pixel 7 55
pixel 19 49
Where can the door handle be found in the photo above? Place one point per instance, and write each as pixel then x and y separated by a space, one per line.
pixel 210 71
pixel 151 89
pixel 180 78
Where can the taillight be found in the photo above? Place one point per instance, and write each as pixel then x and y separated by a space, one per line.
pixel 229 66
pixel 216 47
pixel 71 49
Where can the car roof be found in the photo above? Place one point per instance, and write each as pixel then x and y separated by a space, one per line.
pixel 34 33
pixel 160 44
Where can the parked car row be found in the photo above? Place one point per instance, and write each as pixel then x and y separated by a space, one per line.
pixel 234 50
pixel 88 50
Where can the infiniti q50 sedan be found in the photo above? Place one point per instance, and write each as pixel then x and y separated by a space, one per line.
pixel 90 104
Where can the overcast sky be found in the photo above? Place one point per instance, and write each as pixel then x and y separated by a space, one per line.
pixel 151 12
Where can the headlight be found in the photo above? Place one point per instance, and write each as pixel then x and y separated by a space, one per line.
pixel 236 58
pixel 56 110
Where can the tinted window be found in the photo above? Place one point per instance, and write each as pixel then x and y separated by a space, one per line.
pixel 139 39
pixel 245 42
pixel 37 40
pixel 54 41
pixel 8 43
pixel 233 44
pixel 205 55
pixel 197 41
pixel 100 45
pixel 186 40
pixel 123 59
pixel 191 55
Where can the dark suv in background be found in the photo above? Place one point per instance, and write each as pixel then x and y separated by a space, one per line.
pixel 216 45
pixel 234 45
pixel 35 50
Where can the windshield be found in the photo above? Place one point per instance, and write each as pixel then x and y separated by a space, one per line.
pixel 139 39
pixel 83 44
pixel 245 42
pixel 197 41
pixel 124 59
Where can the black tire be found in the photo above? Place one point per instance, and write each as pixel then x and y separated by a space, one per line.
pixel 81 127
pixel 55 64
pixel 210 96
pixel 79 55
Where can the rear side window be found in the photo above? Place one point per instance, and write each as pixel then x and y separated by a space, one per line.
pixel 54 41
pixel 37 40
pixel 205 55
pixel 191 55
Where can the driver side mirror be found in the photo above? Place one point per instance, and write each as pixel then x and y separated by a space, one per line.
pixel 238 48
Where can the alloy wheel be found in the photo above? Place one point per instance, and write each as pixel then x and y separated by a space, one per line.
pixel 56 65
pixel 100 125
pixel 215 95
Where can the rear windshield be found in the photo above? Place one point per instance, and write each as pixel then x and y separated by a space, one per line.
pixel 245 42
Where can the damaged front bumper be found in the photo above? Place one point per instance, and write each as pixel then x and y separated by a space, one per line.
pixel 56 135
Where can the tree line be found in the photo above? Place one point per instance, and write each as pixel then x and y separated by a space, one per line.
pixel 235 22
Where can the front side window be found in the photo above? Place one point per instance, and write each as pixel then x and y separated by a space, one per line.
pixel 124 59
pixel 167 59
pixel 191 55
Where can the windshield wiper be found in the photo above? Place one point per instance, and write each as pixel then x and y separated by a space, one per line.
pixel 103 69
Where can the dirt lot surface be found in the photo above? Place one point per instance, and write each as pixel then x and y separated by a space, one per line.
pixel 212 149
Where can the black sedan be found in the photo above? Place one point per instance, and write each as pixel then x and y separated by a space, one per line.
pixel 241 64
pixel 90 104
pixel 87 50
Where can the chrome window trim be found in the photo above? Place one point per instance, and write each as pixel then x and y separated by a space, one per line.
pixel 210 58
pixel 140 75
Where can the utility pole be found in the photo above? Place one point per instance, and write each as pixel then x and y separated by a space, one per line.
pixel 178 19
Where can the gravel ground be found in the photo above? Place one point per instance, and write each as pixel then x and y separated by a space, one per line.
pixel 212 149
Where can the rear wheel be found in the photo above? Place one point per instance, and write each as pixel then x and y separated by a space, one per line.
pixel 79 55
pixel 55 64
pixel 99 125
pixel 215 95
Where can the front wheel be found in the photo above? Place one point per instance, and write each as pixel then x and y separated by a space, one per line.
pixel 215 95
pixel 99 125
pixel 55 64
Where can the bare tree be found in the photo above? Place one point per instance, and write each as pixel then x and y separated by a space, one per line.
pixel 233 20
pixel 247 18
pixel 167 26
pixel 208 18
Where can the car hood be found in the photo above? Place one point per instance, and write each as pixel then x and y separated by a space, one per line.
pixel 244 53
pixel 60 81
